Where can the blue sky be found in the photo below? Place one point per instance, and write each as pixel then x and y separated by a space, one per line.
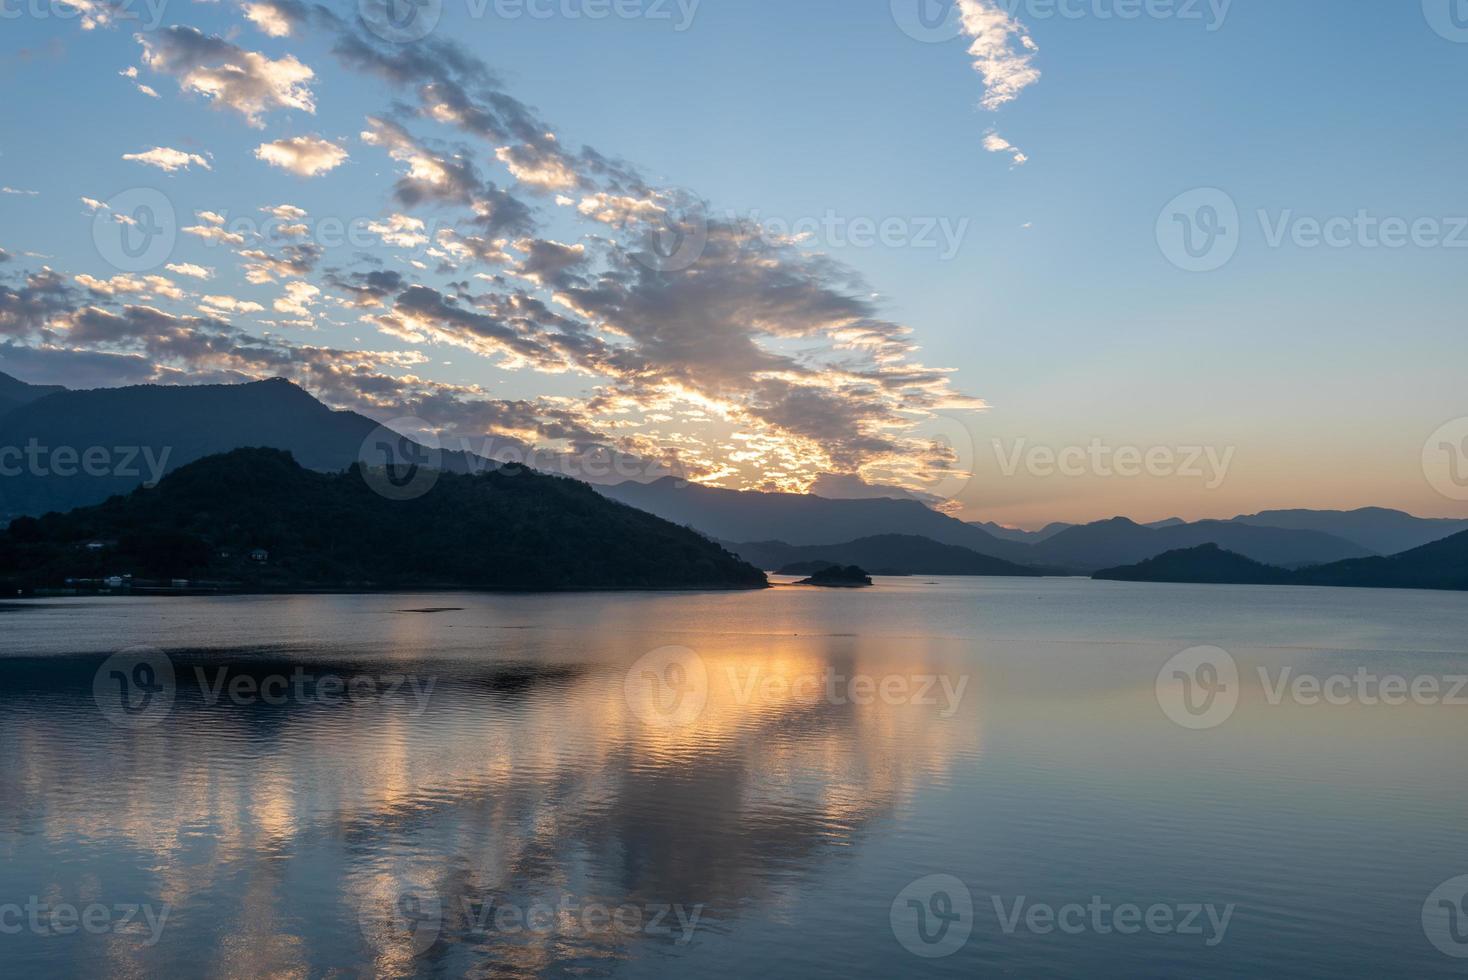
pixel 1317 372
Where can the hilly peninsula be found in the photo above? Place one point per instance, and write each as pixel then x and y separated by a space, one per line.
pixel 254 520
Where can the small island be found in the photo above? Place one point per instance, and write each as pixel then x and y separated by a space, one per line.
pixel 839 577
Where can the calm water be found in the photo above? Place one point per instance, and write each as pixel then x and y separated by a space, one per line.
pixel 736 785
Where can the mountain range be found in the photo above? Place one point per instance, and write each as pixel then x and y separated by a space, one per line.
pixel 165 427
pixel 1440 564
pixel 255 520
pixel 803 520
pixel 147 431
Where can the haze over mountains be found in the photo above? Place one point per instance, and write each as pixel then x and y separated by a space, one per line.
pixel 171 426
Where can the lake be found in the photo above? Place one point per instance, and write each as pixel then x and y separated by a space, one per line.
pixel 931 777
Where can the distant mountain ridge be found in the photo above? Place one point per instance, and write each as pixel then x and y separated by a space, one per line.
pixel 1439 565
pixel 146 431
pixel 804 521
pixel 1379 529
pixel 15 393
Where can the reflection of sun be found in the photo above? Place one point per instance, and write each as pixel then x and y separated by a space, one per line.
pixel 500 782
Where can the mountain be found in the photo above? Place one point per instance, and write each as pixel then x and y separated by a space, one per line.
pixel 15 393
pixel 143 432
pixel 505 529
pixel 801 519
pixel 1438 565
pixel 1119 541
pixel 1383 531
pixel 1016 534
pixel 798 519
pixel 1207 563
pixel 901 554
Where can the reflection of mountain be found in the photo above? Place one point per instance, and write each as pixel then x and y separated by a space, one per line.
pixel 273 825
pixel 255 520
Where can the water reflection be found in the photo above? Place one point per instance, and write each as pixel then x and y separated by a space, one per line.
pixel 288 838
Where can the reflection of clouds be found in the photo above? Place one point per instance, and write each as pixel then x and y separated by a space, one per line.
pixel 269 827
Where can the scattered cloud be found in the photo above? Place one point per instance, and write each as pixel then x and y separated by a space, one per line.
pixel 1002 49
pixel 229 76
pixel 304 156
pixel 995 143
pixel 168 159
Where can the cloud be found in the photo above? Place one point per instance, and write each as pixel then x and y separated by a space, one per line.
pixel 1002 49
pixel 400 230
pixel 214 233
pixel 297 299
pixel 131 73
pixel 275 18
pixel 229 76
pixel 221 306
pixel 995 143
pixel 125 284
pixel 304 156
pixel 168 159
pixel 190 270
pixel 18 192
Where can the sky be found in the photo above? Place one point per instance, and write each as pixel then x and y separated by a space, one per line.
pixel 1032 260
